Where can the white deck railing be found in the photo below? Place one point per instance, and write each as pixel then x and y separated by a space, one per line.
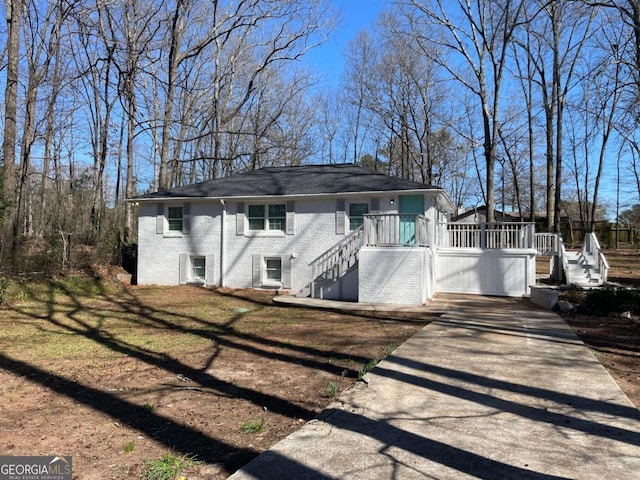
pixel 486 235
pixel 395 229
pixel 547 244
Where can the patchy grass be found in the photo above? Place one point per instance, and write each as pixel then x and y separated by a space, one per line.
pixel 368 366
pixel 168 467
pixel 176 368
pixel 388 349
pixel 332 390
pixel 253 426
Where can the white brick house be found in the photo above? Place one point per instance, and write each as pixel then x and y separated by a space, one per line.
pixel 331 231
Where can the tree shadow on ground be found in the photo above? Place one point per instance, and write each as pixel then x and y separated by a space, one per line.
pixel 85 310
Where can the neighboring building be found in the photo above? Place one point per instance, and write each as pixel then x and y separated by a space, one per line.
pixel 330 231
pixel 479 215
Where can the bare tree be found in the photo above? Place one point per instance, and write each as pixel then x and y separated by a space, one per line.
pixel 330 112
pixel 481 33
pixel 94 62
pixel 391 83
pixel 624 20
pixel 42 42
pixel 629 12
pixel 195 86
pixel 524 73
pixel 360 58
pixel 598 115
pixel 14 17
pixel 131 27
pixel 554 38
pixel 243 39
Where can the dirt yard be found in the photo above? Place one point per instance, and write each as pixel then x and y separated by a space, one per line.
pixel 119 376
pixel 615 339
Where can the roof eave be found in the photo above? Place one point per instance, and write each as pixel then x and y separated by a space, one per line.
pixel 439 191
pixel 444 201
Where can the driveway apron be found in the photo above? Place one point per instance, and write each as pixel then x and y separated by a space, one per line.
pixel 492 389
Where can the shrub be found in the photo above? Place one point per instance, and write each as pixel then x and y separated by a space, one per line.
pixel 603 301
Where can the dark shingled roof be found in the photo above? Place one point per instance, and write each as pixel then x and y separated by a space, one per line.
pixel 302 180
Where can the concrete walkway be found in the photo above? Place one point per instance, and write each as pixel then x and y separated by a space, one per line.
pixel 494 389
pixel 294 301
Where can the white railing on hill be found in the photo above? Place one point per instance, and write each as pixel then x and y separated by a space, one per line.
pixel 564 260
pixel 487 235
pixel 395 229
pixel 592 248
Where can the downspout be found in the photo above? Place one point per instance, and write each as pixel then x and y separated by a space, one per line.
pixel 223 242
pixel 433 247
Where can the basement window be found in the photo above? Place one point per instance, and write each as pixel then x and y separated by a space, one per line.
pixel 273 270
pixel 198 269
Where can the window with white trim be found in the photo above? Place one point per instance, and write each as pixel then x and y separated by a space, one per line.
pixel 267 217
pixel 357 211
pixel 198 268
pixel 174 218
pixel 273 270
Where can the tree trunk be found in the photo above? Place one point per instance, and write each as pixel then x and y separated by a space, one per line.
pixel 13 12
pixel 130 184
pixel 177 22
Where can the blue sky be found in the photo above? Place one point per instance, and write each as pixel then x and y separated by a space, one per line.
pixel 327 61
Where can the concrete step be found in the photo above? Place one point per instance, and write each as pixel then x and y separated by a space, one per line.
pixel 582 270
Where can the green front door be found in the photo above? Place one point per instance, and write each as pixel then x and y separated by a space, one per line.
pixel 410 206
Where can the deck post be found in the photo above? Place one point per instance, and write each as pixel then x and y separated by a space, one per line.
pixel 557 259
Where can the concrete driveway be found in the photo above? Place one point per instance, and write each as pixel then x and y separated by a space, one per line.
pixel 494 389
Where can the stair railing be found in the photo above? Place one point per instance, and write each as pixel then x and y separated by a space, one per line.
pixel 337 260
pixel 564 260
pixel 592 247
